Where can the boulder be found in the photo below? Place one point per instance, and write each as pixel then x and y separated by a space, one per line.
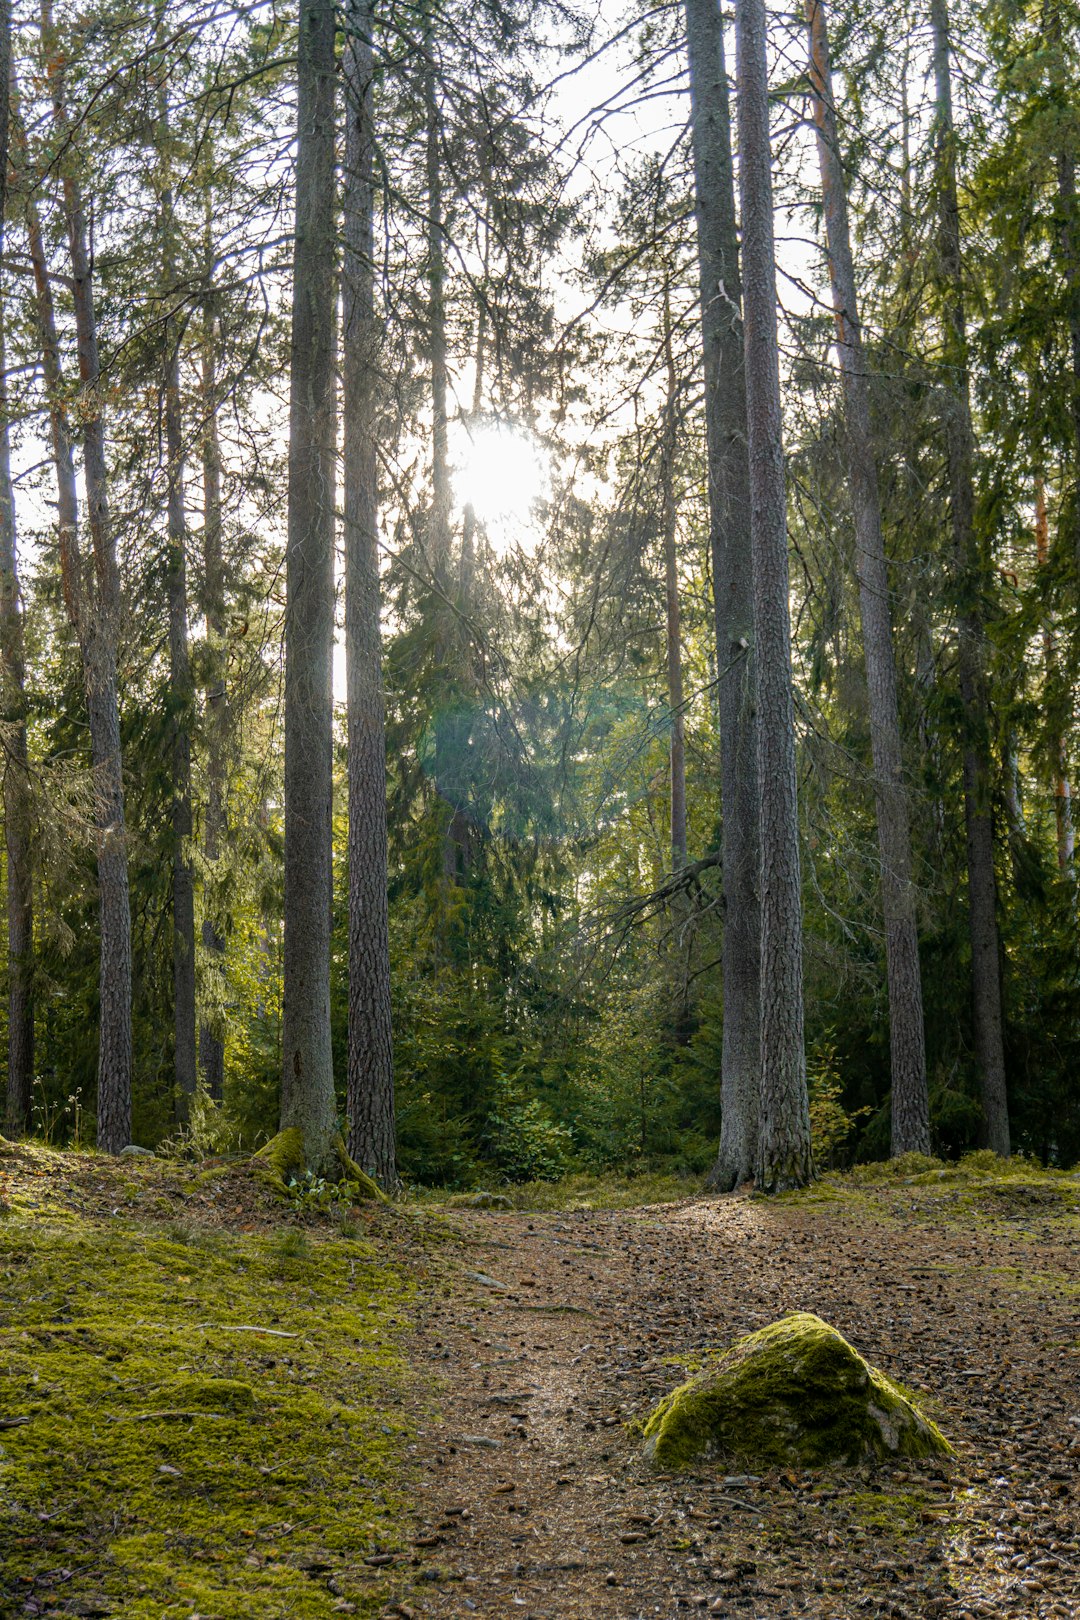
pixel 794 1393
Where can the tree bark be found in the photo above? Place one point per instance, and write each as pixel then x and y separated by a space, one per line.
pixel 215 830
pixel 732 564
pixel 180 689
pixel 970 573
pixel 1063 818
pixel 307 1089
pixel 784 1153
pixel 372 1134
pixel 450 744
pixel 439 540
pixel 669 516
pixel 910 1099
pixel 99 629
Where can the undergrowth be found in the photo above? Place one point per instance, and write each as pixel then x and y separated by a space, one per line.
pixel 573 1192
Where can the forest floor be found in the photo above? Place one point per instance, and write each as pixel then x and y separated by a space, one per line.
pixel 451 1432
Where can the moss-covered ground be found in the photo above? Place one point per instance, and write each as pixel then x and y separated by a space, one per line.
pixel 199 1411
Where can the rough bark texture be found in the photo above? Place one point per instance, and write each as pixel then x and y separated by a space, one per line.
pixel 17 803
pixel 910 1100
pixel 784 1156
pixel 449 742
pixel 371 1061
pixel 439 539
pixel 669 529
pixel 732 565
pixel 99 615
pixel 970 574
pixel 307 1088
pixel 215 826
pixel 180 690
pixel 1063 817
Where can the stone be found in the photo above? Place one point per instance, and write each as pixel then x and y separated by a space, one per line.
pixel 133 1152
pixel 794 1393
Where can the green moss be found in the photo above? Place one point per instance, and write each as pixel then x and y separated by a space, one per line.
pixel 208 1395
pixel 281 1160
pixel 792 1393
pixel 578 1192
pixel 205 1433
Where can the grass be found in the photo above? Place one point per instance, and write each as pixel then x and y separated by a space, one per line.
pixel 172 1460
pixel 576 1192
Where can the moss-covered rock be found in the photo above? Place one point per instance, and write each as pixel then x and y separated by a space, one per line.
pixel 793 1393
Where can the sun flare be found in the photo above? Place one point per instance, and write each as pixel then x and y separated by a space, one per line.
pixel 501 470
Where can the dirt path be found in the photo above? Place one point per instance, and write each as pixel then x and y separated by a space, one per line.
pixel 544 1334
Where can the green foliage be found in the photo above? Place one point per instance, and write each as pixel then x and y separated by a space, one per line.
pixel 524 1141
pixel 831 1125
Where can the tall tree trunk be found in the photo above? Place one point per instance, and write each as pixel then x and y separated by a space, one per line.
pixel 99 630
pixel 180 689
pixel 439 539
pixel 732 566
pixel 784 1154
pixel 215 828
pixel 1063 818
pixel 449 742
pixel 18 810
pixel 971 574
pixel 371 1060
pixel 307 1088
pixel 669 528
pixel 910 1100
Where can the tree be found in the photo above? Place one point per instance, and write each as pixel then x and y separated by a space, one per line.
pixel 18 809
pixel 307 1085
pixel 729 506
pixel 94 599
pixel 370 1062
pixel 180 684
pixel 970 566
pixel 783 1153
pixel 910 1100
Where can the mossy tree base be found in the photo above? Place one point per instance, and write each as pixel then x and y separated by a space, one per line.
pixel 794 1393
pixel 283 1159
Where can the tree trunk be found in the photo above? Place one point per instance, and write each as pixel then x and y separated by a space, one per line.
pixel 1063 818
pixel 970 572
pixel 729 508
pixel 910 1100
pixel 18 810
pixel 180 690
pixel 307 1088
pixel 211 1044
pixel 99 628
pixel 450 744
pixel 669 527
pixel 439 539
pixel 371 1067
pixel 784 1154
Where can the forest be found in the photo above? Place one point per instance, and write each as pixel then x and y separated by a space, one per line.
pixel 539 641
pixel 540 558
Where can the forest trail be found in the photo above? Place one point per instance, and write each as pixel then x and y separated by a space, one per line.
pixel 556 1330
